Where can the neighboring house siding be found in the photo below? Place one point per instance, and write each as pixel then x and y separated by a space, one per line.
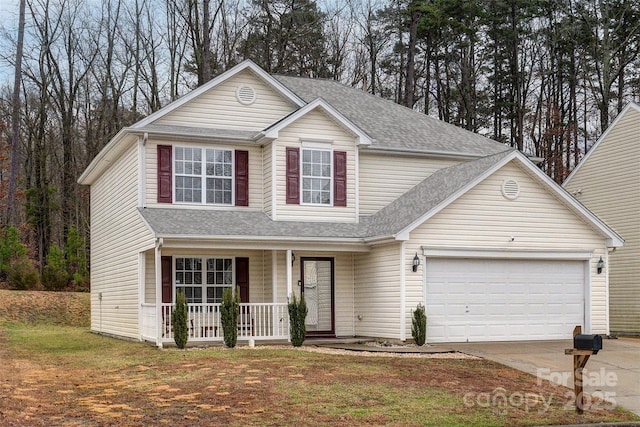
pixel 219 108
pixel 315 126
pixel 255 175
pixel 483 219
pixel 377 292
pixel 609 185
pixel 381 182
pixel 118 235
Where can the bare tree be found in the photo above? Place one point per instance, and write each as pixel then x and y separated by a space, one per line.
pixel 15 118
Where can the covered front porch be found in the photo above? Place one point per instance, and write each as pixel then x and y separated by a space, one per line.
pixel 266 279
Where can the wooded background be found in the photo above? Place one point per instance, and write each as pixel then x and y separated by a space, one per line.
pixel 544 76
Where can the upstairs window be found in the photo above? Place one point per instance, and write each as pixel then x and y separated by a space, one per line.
pixel 316 177
pixel 207 171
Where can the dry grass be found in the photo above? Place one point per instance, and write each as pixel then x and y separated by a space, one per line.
pixel 60 375
pixel 40 307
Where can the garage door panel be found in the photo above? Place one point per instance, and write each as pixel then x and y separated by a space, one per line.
pixel 489 299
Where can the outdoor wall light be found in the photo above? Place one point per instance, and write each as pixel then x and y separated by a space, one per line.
pixel 600 265
pixel 416 262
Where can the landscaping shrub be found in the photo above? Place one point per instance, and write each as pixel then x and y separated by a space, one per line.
pixel 179 319
pixel 229 311
pixel 55 275
pixel 22 274
pixel 419 325
pixel 297 315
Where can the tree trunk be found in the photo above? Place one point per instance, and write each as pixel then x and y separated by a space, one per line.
pixel 15 119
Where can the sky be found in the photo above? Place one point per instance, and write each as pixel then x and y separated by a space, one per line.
pixel 8 22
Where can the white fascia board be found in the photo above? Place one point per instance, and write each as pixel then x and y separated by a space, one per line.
pixel 106 156
pixel 612 237
pixel 361 137
pixel 427 153
pixel 604 135
pixel 505 254
pixel 246 64
pixel 265 243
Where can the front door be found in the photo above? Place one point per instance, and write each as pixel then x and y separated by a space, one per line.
pixel 317 286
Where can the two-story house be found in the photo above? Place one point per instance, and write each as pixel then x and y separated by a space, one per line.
pixel 278 185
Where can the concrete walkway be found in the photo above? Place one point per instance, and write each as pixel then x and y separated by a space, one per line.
pixel 613 373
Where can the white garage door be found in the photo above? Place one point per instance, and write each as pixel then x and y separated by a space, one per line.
pixel 503 300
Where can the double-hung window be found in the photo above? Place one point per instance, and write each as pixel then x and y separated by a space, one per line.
pixel 203 279
pixel 203 171
pixel 316 176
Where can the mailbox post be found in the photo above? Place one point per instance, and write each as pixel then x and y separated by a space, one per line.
pixel 583 347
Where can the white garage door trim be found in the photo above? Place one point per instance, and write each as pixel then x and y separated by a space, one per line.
pixel 534 256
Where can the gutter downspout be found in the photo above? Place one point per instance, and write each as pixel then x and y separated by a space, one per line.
pixel 403 303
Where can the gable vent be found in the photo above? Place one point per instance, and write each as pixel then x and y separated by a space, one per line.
pixel 510 189
pixel 246 95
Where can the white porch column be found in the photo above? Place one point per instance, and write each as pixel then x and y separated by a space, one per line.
pixel 289 275
pixel 274 276
pixel 158 262
pixel 403 294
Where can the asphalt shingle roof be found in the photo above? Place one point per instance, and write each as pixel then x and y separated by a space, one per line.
pixel 391 125
pixel 390 220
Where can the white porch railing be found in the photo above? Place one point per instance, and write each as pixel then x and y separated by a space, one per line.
pixel 259 321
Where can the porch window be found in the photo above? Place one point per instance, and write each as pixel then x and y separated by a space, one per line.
pixel 203 170
pixel 316 177
pixel 189 274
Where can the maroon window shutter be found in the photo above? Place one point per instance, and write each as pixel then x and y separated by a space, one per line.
pixel 242 278
pixel 242 178
pixel 339 178
pixel 293 176
pixel 166 264
pixel 165 164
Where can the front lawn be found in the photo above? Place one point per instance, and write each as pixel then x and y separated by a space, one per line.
pixel 58 375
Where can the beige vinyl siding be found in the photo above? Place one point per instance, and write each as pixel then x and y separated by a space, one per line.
pixel 315 126
pixel 267 179
pixel 150 277
pixel 118 235
pixel 259 290
pixel 609 184
pixel 377 292
pixel 381 181
pixel 484 219
pixel 255 175
pixel 219 108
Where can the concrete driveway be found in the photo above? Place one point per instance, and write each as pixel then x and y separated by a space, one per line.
pixel 613 373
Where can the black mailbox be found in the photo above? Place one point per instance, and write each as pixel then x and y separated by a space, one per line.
pixel 587 342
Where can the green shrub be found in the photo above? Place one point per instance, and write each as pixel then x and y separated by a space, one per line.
pixel 76 255
pixel 179 319
pixel 419 325
pixel 229 312
pixel 297 316
pixel 22 274
pixel 55 275
pixel 11 248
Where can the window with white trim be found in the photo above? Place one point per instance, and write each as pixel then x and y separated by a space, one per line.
pixel 316 176
pixel 190 272
pixel 203 170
